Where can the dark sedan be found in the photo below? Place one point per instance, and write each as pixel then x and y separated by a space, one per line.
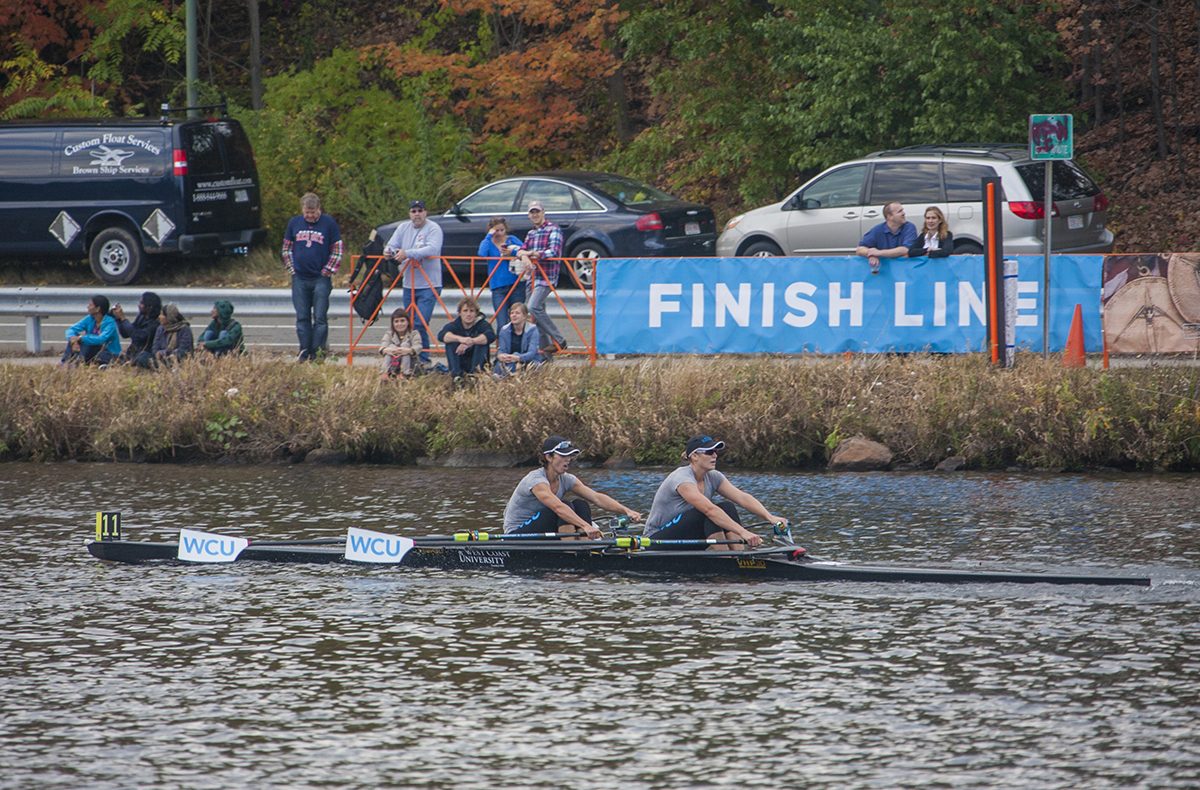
pixel 601 216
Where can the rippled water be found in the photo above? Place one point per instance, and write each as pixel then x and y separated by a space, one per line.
pixel 310 676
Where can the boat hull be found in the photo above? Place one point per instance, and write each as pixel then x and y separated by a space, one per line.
pixel 770 563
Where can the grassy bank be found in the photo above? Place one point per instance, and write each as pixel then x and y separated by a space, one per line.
pixel 773 413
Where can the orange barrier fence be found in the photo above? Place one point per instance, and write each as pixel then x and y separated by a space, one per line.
pixel 582 336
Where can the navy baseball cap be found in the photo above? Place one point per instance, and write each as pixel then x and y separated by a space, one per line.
pixel 704 444
pixel 417 204
pixel 559 445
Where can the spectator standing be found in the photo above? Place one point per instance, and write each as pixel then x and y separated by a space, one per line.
pixel 142 328
pixel 891 238
pixel 172 342
pixel 419 243
pixel 312 253
pixel 223 335
pixel 400 346
pixel 94 338
pixel 517 345
pixel 507 288
pixel 935 239
pixel 467 338
pixel 544 245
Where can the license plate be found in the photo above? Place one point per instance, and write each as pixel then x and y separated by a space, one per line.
pixel 1075 221
pixel 691 228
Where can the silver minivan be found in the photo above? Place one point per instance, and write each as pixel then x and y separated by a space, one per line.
pixel 830 213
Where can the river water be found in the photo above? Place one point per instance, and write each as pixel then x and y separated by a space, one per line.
pixel 316 676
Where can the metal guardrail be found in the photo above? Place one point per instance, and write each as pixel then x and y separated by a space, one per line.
pixel 36 304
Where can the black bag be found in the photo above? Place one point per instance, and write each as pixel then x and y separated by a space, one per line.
pixel 369 294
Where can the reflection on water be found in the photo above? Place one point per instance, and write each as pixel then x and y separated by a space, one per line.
pixel 333 675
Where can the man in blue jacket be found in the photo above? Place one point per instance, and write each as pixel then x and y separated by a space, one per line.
pixel 890 238
pixel 93 338
pixel 312 252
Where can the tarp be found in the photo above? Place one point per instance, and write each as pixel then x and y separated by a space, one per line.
pixel 829 305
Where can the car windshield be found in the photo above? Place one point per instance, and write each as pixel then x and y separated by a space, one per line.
pixel 629 192
pixel 1069 182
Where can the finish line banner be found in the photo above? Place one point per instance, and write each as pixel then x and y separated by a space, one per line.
pixel 830 305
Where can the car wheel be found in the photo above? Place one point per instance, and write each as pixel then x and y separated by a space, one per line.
pixel 116 256
pixel 762 249
pixel 584 262
pixel 968 248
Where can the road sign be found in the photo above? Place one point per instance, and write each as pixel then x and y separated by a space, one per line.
pixel 1051 137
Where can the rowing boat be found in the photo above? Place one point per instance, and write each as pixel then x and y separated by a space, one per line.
pixel 774 562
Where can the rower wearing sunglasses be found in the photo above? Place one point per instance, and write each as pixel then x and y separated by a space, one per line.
pixel 538 504
pixel 683 506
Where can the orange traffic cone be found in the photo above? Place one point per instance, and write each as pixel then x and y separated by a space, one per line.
pixel 1073 355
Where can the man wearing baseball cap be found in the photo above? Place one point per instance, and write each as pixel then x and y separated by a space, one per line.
pixel 543 246
pixel 537 504
pixel 683 506
pixel 417 242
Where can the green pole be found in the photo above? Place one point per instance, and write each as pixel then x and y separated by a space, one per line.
pixel 192 67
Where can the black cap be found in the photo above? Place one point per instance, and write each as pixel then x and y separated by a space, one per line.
pixel 417 204
pixel 704 443
pixel 559 445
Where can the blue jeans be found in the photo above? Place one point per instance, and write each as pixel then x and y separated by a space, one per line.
pixel 426 299
pixel 537 308
pixel 470 361
pixel 502 301
pixel 310 297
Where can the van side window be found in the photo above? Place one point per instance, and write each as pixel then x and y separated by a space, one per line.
pixel 203 151
pixel 963 182
pixel 839 189
pixel 26 155
pixel 909 182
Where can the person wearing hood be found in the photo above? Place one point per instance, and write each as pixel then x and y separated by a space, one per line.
pixel 141 329
pixel 172 342
pixel 223 335
pixel 93 338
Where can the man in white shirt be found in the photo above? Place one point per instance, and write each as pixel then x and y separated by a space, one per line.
pixel 418 242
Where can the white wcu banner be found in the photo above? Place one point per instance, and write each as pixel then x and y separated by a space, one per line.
pixel 830 305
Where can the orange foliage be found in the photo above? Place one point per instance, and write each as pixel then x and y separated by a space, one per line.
pixel 538 83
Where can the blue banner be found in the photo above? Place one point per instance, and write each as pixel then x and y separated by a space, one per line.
pixel 829 305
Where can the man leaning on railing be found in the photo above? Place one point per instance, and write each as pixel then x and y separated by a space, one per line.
pixel 544 245
pixel 419 242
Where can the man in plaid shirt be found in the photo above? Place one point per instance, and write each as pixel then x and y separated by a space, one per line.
pixel 312 253
pixel 542 244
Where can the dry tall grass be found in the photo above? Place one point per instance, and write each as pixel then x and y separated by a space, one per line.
pixel 772 412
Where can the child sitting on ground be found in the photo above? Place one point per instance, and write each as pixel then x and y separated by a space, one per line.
pixel 400 346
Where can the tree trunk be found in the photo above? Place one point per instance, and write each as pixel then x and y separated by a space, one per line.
pixel 1156 104
pixel 256 87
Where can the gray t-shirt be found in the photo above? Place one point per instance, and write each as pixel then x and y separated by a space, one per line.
pixel 668 503
pixel 523 504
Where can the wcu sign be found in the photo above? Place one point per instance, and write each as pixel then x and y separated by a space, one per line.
pixel 364 545
pixel 197 546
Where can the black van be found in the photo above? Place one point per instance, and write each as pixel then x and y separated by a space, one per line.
pixel 117 190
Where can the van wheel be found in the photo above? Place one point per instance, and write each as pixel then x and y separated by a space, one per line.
pixel 968 248
pixel 762 249
pixel 584 262
pixel 116 256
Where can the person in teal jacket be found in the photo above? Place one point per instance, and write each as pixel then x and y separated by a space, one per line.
pixel 95 338
pixel 223 335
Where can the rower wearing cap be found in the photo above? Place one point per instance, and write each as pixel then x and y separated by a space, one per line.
pixel 683 506
pixel 537 504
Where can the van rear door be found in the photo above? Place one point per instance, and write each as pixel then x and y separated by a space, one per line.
pixel 221 190
pixel 1080 222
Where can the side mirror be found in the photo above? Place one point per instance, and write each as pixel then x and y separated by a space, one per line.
pixel 792 204
pixel 456 209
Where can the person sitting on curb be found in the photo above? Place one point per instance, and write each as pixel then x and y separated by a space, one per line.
pixel 890 238
pixel 400 346
pixel 142 328
pixel 223 335
pixel 93 339
pixel 467 338
pixel 172 342
pixel 518 343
